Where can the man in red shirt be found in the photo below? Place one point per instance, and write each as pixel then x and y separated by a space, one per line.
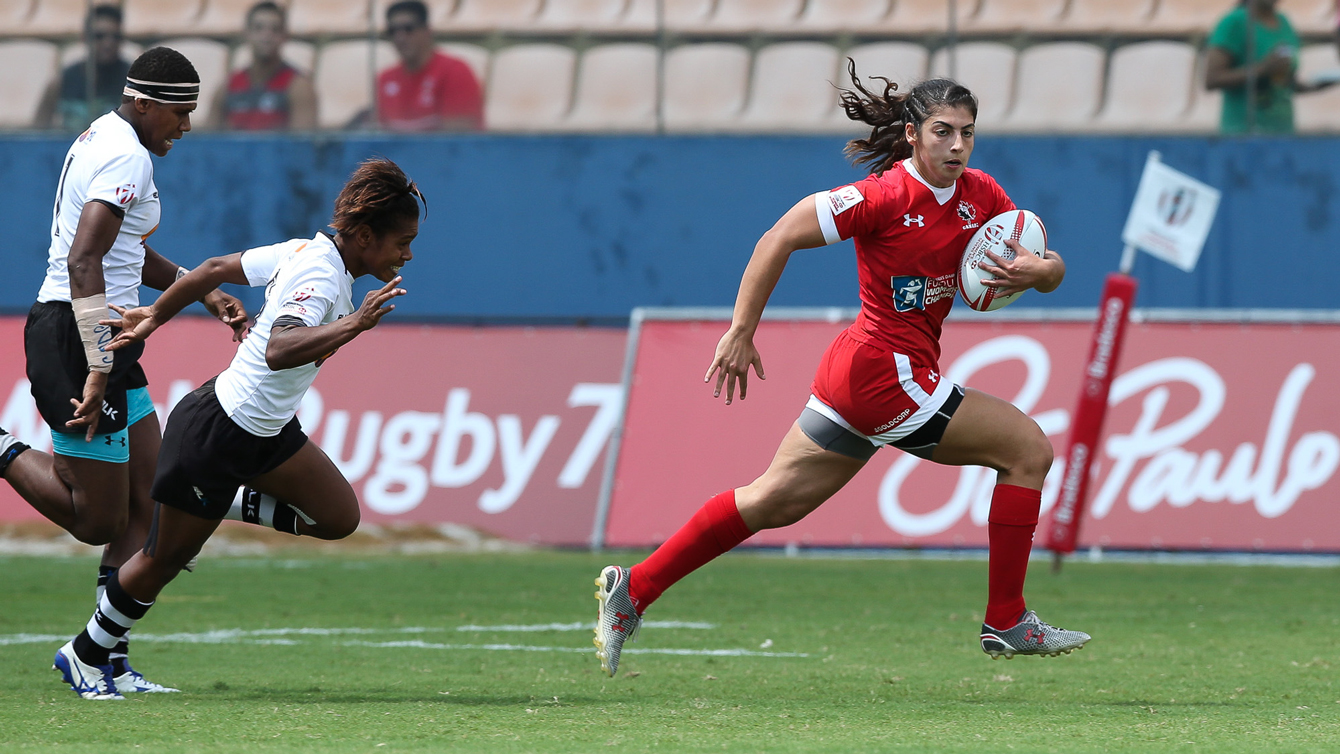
pixel 427 90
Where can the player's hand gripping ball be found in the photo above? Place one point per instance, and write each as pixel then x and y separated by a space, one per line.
pixel 1018 224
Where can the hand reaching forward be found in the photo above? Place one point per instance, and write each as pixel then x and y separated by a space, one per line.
pixel 136 323
pixel 377 305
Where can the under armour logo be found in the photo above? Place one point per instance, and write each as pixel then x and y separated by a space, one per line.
pixel 1031 635
pixel 920 220
pixel 618 626
pixel 934 377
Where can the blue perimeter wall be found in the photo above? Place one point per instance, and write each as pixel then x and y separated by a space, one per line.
pixel 577 227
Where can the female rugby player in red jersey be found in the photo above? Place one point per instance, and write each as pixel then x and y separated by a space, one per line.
pixel 879 383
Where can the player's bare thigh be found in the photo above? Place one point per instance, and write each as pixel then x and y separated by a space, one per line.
pixel 987 431
pixel 145 439
pixel 100 492
pixel 310 482
pixel 800 478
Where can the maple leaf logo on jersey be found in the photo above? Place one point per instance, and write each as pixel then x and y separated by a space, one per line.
pixel 125 194
pixel 966 212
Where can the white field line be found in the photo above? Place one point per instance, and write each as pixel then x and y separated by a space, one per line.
pixel 692 625
pixel 277 636
pixel 418 644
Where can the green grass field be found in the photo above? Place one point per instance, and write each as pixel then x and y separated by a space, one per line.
pixel 1187 658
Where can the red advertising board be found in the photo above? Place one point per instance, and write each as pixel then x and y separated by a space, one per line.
pixel 1218 436
pixel 501 428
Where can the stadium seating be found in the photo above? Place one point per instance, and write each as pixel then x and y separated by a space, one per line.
pixel 160 17
pixel 53 18
pixel 749 16
pixel 903 63
pixel 1009 16
pixel 1149 87
pixel 1188 16
pixel 327 17
pixel 14 13
pixel 705 86
pixel 75 51
pixel 987 68
pixel 1317 111
pixel 925 16
pixel 473 55
pixel 686 15
pixel 344 80
pixel 301 55
pixel 1310 16
pixel 616 89
pixel 792 88
pixel 210 59
pixel 22 94
pixel 530 87
pixel 1059 87
pixel 1106 16
pixel 828 16
pixel 1203 114
pixel 493 15
pixel 223 17
pixel 571 16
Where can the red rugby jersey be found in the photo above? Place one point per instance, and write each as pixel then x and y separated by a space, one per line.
pixel 444 90
pixel 909 238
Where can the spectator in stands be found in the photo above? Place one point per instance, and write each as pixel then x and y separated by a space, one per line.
pixel 270 94
pixel 1253 57
pixel 87 89
pixel 427 90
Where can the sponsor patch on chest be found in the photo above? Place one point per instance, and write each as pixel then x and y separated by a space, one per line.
pixel 919 291
pixel 844 199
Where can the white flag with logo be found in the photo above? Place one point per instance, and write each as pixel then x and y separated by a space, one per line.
pixel 1171 215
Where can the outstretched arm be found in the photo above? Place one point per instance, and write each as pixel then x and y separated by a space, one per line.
pixel 160 273
pixel 797 229
pixel 137 324
pixel 293 345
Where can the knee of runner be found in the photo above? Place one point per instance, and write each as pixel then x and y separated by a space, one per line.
pixel 99 532
pixel 1036 454
pixel 338 527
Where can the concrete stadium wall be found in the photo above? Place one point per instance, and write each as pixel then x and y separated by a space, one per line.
pixel 577 227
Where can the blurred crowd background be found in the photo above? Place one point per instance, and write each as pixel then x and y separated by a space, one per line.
pixel 683 66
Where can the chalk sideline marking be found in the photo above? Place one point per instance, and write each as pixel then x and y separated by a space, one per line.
pixel 419 644
pixel 279 636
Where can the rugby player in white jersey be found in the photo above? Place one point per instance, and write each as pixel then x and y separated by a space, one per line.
pixel 240 427
pixel 104 433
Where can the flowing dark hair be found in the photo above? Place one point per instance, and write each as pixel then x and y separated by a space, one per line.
pixel 378 195
pixel 887 114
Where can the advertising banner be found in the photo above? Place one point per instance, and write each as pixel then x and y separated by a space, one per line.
pixel 502 428
pixel 1218 436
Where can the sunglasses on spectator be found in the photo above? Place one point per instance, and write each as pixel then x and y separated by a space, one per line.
pixel 395 29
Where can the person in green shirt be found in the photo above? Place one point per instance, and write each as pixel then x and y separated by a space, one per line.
pixel 1253 57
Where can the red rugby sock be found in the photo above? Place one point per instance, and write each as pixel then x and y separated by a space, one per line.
pixel 715 529
pixel 1010 525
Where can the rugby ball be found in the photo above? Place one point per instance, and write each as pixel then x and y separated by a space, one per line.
pixel 1018 224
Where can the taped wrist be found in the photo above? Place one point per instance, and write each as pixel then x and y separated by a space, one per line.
pixel 88 312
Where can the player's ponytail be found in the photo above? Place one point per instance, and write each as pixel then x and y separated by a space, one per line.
pixel 888 112
pixel 378 195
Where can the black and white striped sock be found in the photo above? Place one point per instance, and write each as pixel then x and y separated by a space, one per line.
pixel 120 652
pixel 116 614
